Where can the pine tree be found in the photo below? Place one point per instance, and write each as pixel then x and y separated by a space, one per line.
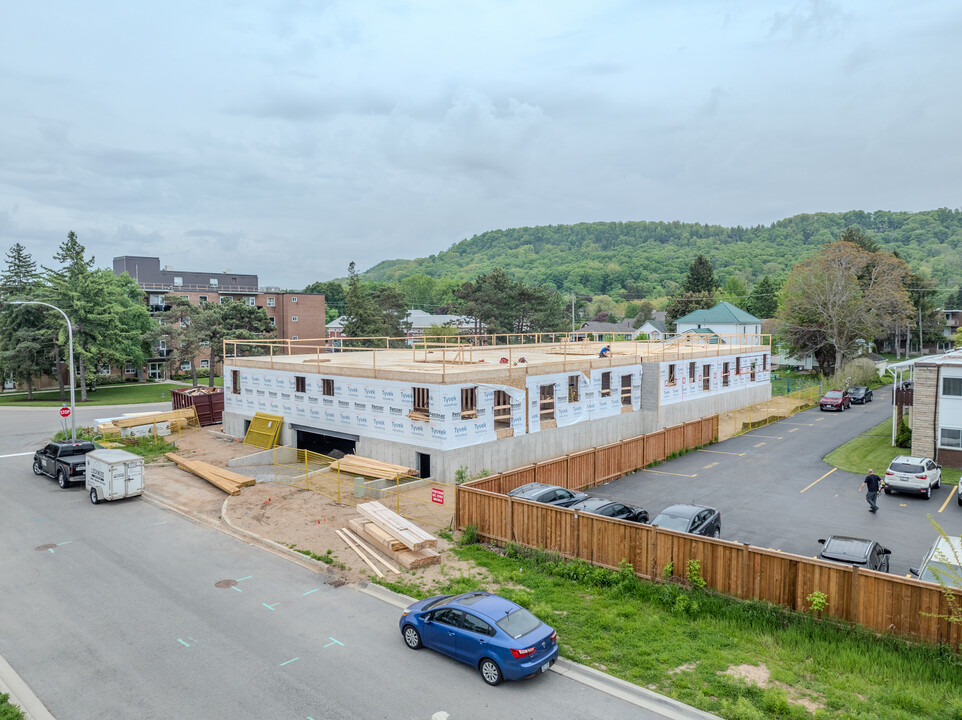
pixel 25 337
pixel 701 277
pixel 362 318
pixel 763 301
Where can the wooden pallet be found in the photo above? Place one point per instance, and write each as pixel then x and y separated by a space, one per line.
pixel 227 480
pixel 413 537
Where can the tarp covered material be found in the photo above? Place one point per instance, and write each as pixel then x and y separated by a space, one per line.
pixel 374 408
pixel 678 383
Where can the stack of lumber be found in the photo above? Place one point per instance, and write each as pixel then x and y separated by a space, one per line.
pixel 368 467
pixel 178 419
pixel 365 552
pixel 228 481
pixel 400 539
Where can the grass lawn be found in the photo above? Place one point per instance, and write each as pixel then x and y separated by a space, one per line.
pixel 126 394
pixel 790 381
pixel 874 450
pixel 685 643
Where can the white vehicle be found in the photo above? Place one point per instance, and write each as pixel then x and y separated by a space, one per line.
pixel 942 563
pixel 114 474
pixel 915 475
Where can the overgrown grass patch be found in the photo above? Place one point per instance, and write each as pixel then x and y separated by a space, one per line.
pixel 641 632
pixel 873 449
pixel 9 711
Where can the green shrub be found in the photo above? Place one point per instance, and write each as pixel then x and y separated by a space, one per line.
pixel 903 438
pixel 469 536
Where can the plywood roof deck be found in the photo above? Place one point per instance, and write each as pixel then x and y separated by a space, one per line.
pixel 458 364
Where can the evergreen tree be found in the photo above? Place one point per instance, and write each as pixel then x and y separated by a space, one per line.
pixel 362 319
pixel 763 301
pixel 689 302
pixel 857 236
pixel 701 277
pixel 25 339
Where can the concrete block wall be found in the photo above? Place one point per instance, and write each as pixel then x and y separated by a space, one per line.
pixel 924 409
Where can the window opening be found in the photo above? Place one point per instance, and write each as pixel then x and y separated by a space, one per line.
pixel 547 402
pixel 626 389
pixel 502 410
pixel 469 403
pixel 327 387
pixel 235 382
pixel 300 383
pixel 572 388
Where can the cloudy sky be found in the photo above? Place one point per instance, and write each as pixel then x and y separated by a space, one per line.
pixel 288 138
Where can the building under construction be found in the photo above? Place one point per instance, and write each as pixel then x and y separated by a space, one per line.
pixel 492 403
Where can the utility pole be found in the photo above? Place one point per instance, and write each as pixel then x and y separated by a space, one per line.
pixel 920 328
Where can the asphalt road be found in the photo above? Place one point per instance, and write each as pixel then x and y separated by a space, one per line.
pixel 112 611
pixel 775 491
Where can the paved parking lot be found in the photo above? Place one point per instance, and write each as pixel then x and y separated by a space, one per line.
pixel 775 491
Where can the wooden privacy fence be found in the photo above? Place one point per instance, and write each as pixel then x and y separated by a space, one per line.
pixel 881 602
pixel 596 466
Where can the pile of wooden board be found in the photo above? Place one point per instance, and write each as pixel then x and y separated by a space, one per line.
pixel 398 538
pixel 368 467
pixel 229 482
pixel 164 422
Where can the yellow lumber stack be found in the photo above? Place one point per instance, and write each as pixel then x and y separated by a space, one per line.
pixel 178 419
pixel 228 481
pixel 368 467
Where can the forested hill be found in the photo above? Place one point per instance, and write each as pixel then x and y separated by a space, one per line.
pixel 650 259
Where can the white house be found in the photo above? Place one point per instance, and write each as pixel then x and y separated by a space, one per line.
pixel 724 320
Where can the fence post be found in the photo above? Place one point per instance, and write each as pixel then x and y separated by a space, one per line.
pixel 511 518
pixel 746 566
pixel 307 473
pixel 853 604
pixel 652 550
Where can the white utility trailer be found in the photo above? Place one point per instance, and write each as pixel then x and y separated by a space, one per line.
pixel 114 474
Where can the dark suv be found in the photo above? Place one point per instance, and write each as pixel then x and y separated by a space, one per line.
pixel 855 551
pixel 65 460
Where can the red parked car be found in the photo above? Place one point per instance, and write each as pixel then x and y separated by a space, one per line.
pixel 835 400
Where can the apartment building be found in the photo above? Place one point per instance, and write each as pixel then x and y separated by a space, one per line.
pixel 296 315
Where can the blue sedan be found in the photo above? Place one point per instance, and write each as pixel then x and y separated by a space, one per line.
pixel 499 637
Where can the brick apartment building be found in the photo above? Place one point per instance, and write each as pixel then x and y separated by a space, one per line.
pixel 296 315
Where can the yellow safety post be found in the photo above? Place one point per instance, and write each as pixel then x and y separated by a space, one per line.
pixel 307 473
pixel 397 491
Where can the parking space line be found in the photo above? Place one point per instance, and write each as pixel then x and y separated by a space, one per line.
pixel 722 452
pixel 770 437
pixel 759 444
pixel 946 501
pixel 710 465
pixel 785 422
pixel 819 480
pixel 662 472
pixel 793 430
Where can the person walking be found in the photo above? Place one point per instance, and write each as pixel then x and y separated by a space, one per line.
pixel 872 483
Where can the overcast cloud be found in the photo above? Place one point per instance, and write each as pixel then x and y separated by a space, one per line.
pixel 289 138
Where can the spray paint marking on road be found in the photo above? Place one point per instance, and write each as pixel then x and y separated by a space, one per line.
pixel 334 641
pixel 185 643
pixel 310 591
pixel 289 661
pixel 270 607
pixel 819 480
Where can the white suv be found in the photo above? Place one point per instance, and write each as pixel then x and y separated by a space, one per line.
pixel 914 475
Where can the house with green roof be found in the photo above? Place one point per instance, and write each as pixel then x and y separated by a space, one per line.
pixel 728 323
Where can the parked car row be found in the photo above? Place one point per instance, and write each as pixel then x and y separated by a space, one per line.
pixel 844 399
pixel 696 519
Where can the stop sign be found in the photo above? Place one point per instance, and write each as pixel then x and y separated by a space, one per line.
pixel 64 412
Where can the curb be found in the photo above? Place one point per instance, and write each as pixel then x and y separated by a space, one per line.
pixel 629 692
pixel 20 693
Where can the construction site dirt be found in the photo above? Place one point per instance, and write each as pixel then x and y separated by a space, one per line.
pixel 294 517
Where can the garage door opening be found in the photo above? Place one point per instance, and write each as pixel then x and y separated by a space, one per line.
pixel 324 444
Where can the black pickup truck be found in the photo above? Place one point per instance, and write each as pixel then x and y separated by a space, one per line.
pixel 65 460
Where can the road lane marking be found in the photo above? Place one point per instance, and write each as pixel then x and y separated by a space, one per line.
pixel 289 661
pixel 662 472
pixel 16 455
pixel 722 452
pixel 820 479
pixel 770 437
pixel 946 501
pixel 709 465
pixel 759 444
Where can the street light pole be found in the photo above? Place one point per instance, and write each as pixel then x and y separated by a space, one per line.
pixel 73 414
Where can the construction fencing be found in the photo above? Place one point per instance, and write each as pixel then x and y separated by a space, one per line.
pixel 736 422
pixel 423 501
